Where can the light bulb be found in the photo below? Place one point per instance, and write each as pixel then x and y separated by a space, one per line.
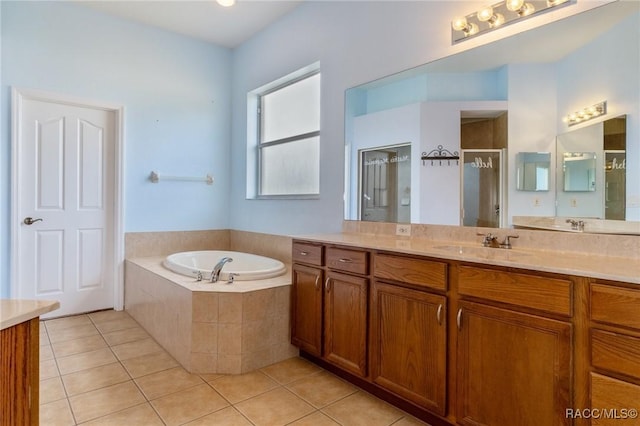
pixel 496 20
pixel 552 3
pixel 226 3
pixel 514 5
pixel 526 10
pixel 472 29
pixel 459 23
pixel 485 14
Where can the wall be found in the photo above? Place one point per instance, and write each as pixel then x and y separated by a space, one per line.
pixel 176 96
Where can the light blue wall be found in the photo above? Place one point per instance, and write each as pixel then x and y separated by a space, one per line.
pixel 177 107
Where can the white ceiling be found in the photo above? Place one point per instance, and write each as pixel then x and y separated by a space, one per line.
pixel 202 19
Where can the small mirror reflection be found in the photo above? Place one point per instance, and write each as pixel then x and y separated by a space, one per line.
pixel 532 171
pixel 579 169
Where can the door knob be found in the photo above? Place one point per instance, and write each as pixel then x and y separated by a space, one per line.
pixel 30 220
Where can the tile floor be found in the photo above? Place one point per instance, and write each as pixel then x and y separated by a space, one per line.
pixel 104 369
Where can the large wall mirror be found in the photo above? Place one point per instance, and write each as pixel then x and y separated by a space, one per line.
pixel 534 78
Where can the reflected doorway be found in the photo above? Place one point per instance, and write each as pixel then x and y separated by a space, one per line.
pixel 385 184
pixel 483 142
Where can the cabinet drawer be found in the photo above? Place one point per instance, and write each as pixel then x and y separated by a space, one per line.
pixel 307 253
pixel 418 272
pixel 615 352
pixel 612 394
pixel 545 294
pixel 354 261
pixel 615 305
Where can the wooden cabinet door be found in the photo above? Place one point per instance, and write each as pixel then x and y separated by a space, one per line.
pixel 409 344
pixel 345 322
pixel 513 368
pixel 306 309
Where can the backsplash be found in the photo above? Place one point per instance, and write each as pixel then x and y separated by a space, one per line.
pixel 145 244
pixel 600 244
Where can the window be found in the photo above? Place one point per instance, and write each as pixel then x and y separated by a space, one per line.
pixel 288 137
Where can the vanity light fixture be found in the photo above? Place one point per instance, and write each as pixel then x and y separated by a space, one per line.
pixel 586 114
pixel 505 12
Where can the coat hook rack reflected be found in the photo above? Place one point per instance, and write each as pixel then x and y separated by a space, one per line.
pixel 440 154
pixel 155 178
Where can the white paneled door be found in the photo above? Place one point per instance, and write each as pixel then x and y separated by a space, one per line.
pixel 65 213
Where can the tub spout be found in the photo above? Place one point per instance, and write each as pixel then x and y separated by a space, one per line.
pixel 215 273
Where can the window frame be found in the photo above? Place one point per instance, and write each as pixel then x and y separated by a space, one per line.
pixel 285 82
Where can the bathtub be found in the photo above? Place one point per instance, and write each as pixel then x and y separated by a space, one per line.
pixel 245 266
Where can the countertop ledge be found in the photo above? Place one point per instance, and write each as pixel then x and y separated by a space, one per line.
pixel 16 311
pixel 624 269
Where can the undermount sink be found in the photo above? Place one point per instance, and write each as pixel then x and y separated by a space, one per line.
pixel 481 251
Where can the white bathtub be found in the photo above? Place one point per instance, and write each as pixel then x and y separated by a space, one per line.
pixel 246 266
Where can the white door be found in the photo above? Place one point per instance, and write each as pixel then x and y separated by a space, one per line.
pixel 65 205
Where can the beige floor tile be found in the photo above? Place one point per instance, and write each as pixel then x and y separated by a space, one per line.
pixel 165 382
pixel 362 409
pixel 148 364
pixel 85 360
pixel 187 405
pixel 276 407
pixel 98 403
pixel 226 417
pixel 125 336
pixel 321 389
pixel 71 333
pixel 290 370
pixel 48 369
pixel 315 419
pixel 67 322
pixel 135 349
pixel 76 346
pixel 44 336
pixel 115 325
pixel 210 377
pixel 236 388
pixel 140 415
pixel 56 413
pixel 410 421
pixel 109 315
pixel 51 390
pixel 95 378
pixel 46 352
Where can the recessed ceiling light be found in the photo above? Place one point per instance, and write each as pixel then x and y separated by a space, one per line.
pixel 226 3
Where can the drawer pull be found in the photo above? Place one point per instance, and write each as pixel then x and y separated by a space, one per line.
pixel 459 319
pixel 317 282
pixel 345 260
pixel 304 253
pixel 439 314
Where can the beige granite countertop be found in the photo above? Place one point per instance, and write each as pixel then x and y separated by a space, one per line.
pixel 625 269
pixel 16 311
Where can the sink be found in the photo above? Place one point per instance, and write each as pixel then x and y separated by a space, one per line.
pixel 482 251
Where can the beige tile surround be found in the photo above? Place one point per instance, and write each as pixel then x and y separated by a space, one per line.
pixel 210 332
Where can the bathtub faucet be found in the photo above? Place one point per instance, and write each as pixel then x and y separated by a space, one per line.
pixel 215 273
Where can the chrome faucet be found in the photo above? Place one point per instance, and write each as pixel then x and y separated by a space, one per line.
pixel 576 225
pixel 489 240
pixel 215 273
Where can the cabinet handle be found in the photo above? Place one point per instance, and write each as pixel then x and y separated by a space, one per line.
pixel 304 253
pixel 317 282
pixel 459 319
pixel 345 260
pixel 439 314
pixel 327 284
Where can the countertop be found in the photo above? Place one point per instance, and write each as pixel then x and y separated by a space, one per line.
pixel 16 311
pixel 625 269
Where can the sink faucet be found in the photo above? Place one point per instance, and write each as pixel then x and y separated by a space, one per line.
pixel 576 225
pixel 489 240
pixel 215 273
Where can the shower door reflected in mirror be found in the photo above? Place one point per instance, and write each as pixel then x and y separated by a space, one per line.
pixel 385 184
pixel 482 188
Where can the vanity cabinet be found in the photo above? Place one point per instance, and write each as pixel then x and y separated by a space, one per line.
pixel 514 348
pixel 330 304
pixel 306 297
pixel 615 352
pixel 409 329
